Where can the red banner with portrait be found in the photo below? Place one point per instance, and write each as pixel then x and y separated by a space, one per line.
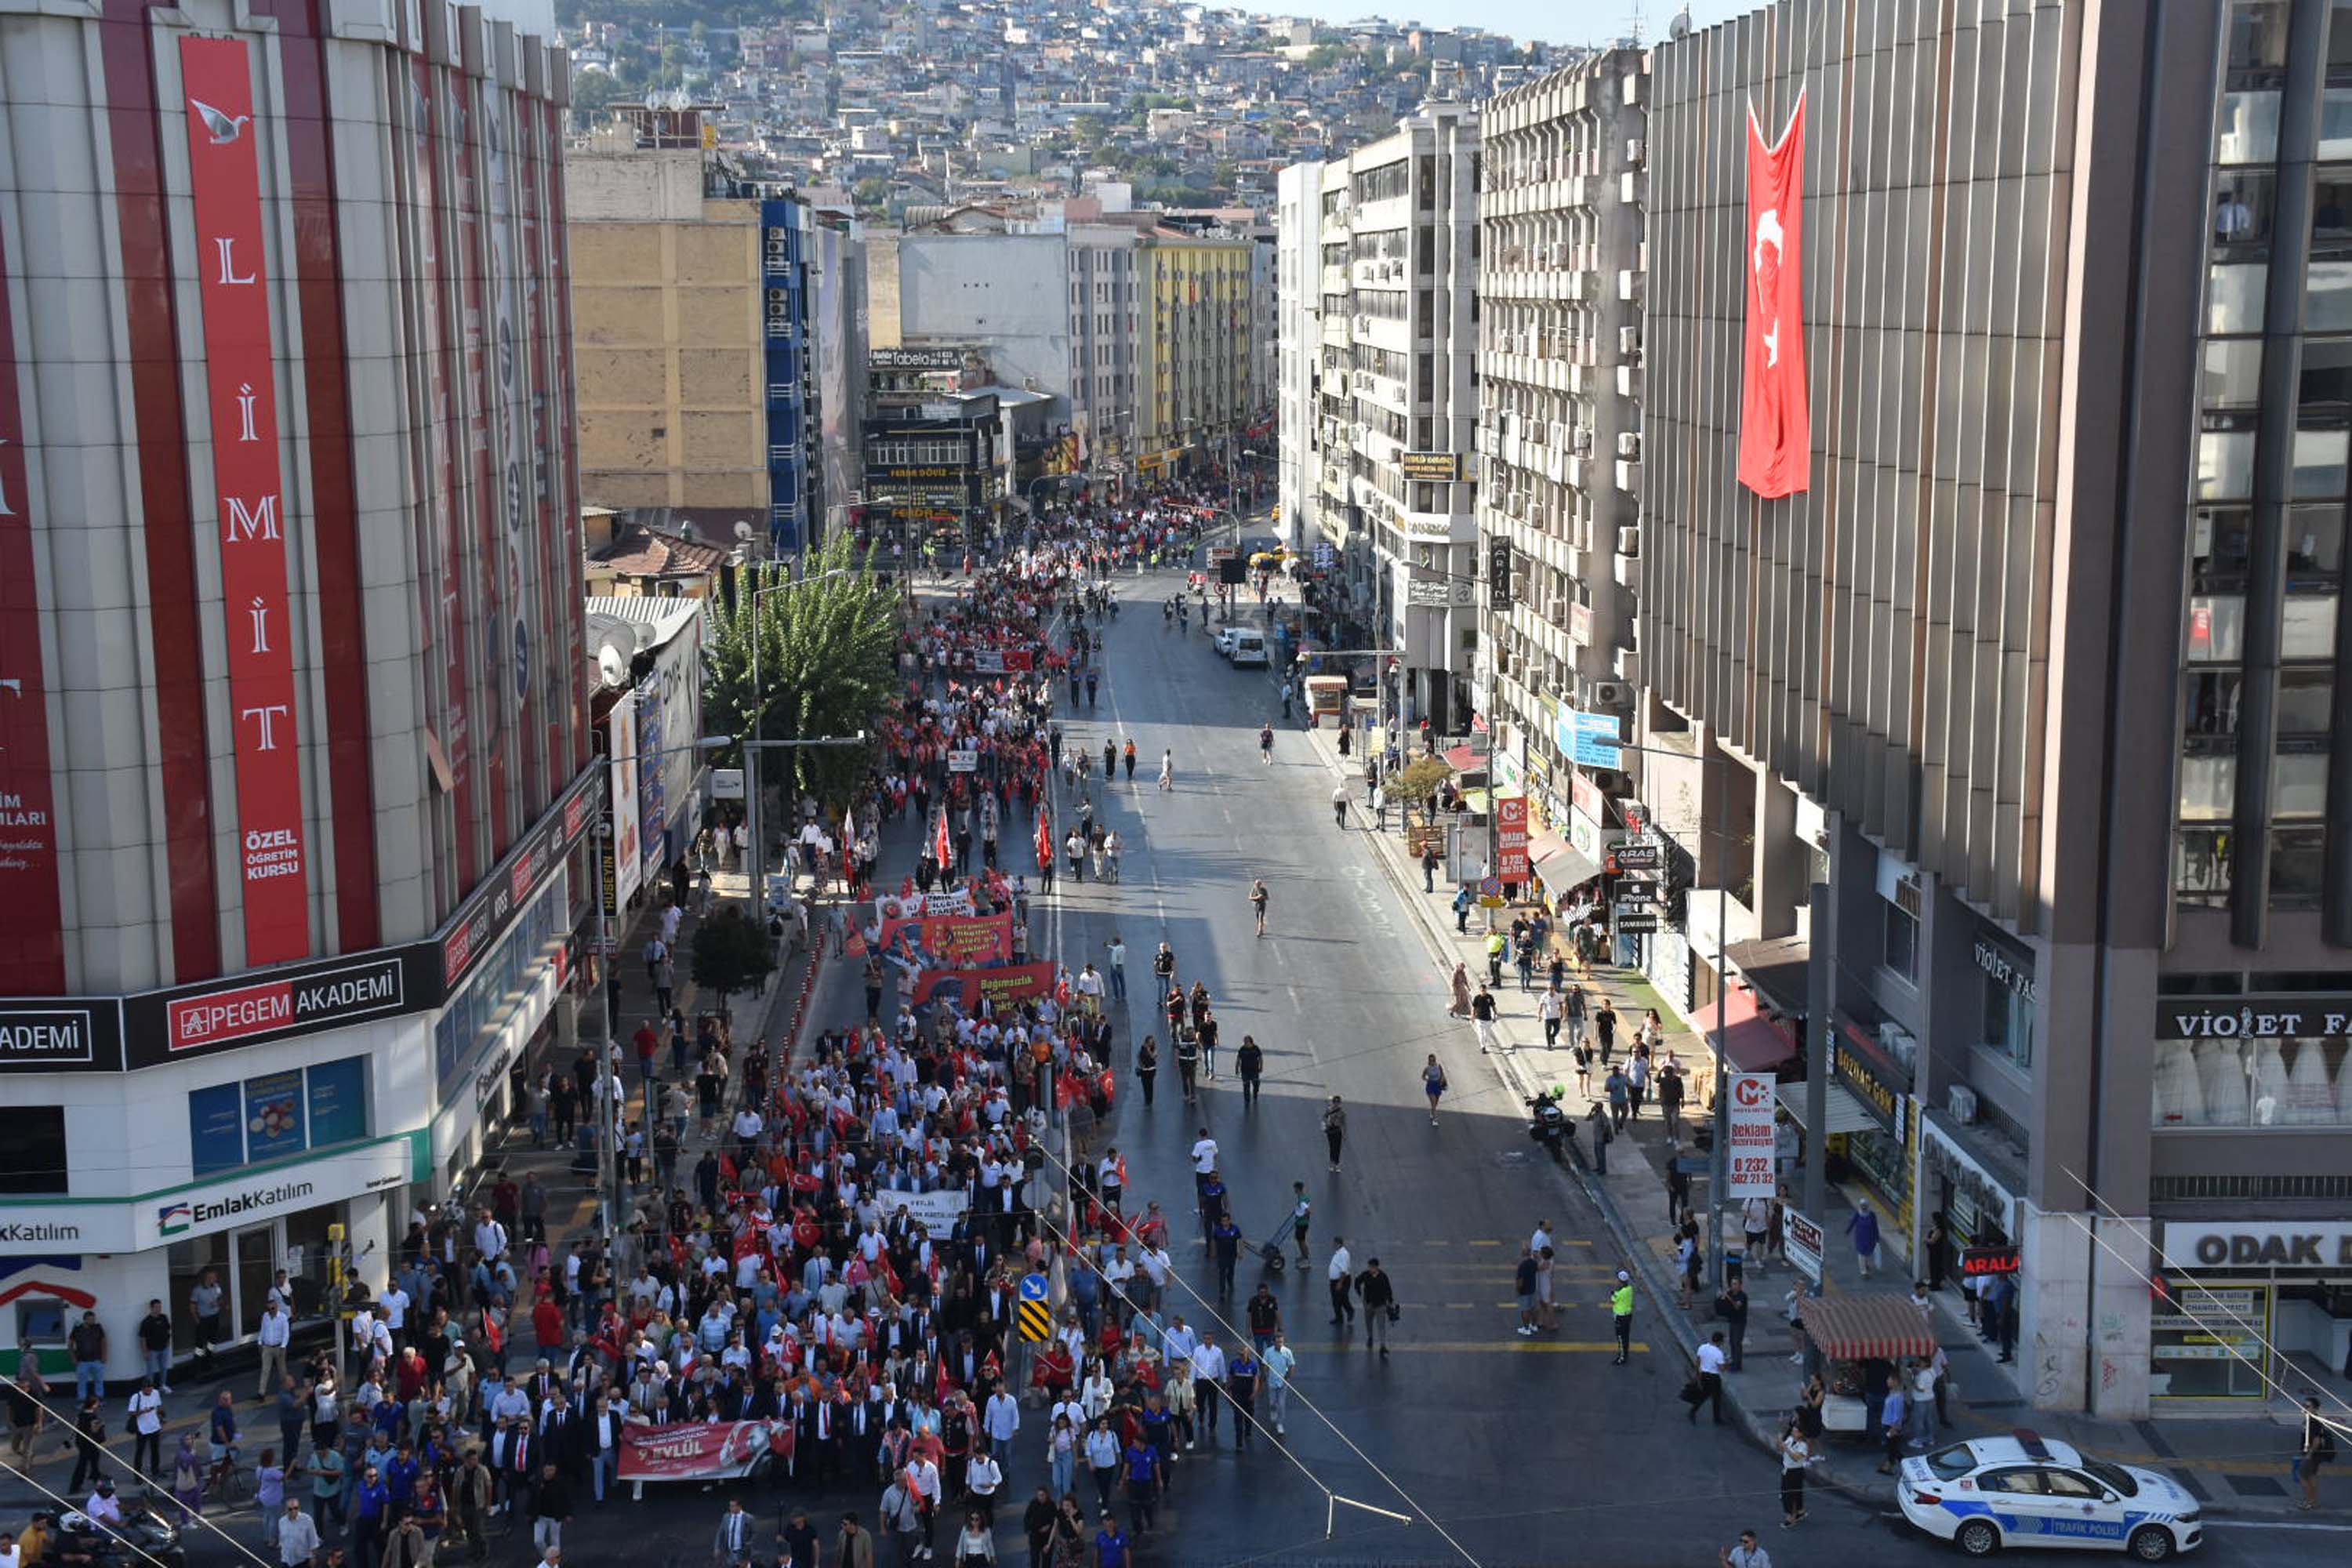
pixel 1776 429
pixel 1001 986
pixel 701 1451
pixel 250 507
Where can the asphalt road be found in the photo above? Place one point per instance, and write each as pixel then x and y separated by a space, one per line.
pixel 1497 1450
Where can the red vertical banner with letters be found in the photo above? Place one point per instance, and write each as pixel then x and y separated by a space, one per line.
pixel 1511 837
pixel 1776 428
pixel 224 179
pixel 32 916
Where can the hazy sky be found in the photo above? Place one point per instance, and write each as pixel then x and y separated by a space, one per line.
pixel 1555 21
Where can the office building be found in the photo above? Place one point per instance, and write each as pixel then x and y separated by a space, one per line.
pixel 1398 405
pixel 1560 440
pixel 297 755
pixel 2033 655
pixel 690 291
pixel 1193 330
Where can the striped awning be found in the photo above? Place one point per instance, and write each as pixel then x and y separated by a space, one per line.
pixel 1875 1325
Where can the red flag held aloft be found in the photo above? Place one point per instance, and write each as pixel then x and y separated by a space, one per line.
pixel 1776 431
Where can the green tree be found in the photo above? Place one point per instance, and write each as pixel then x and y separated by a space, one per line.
pixel 872 193
pixel 592 93
pixel 731 953
pixel 1417 781
pixel 827 663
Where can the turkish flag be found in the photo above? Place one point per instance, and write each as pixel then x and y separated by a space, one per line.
pixel 1776 429
pixel 1044 836
pixel 943 849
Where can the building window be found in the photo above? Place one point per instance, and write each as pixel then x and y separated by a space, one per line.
pixel 1901 950
pixel 2008 1022
pixel 278 1115
pixel 33 1155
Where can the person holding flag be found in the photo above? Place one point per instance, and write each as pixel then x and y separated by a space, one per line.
pixel 1045 848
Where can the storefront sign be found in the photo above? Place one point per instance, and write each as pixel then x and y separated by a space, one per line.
pixel 1976 1261
pixel 2196 1244
pixel 475 929
pixel 2327 1017
pixel 1511 838
pixel 61 1037
pixel 277 1006
pixel 32 918
pixel 1801 1242
pixel 700 1451
pixel 625 872
pixel 1750 1151
pixel 2007 966
pixel 1632 922
pixel 180 1214
pixel 1587 795
pixel 914 359
pixel 1854 1062
pixel 1430 467
pixel 225 183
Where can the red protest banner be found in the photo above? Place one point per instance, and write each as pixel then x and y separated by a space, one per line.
pixel 699 1451
pixel 1002 986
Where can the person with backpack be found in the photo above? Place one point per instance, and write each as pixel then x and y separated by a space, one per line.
pixel 2318 1448
pixel 1432 1084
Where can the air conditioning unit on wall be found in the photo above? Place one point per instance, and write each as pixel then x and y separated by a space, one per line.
pixel 1611 694
pixel 1961 1102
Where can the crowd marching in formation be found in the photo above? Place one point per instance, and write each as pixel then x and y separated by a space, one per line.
pixel 822 1254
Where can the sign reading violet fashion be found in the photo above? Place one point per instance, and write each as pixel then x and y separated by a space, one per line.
pixel 224 180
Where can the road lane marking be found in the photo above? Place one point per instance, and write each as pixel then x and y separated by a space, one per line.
pixel 1498 1347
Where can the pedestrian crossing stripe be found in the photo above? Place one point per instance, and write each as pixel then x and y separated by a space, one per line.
pixel 1036 1322
pixel 1507 1347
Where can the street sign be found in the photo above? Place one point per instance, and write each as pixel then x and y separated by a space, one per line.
pixel 1801 1240
pixel 1036 1318
pixel 1749 1148
pixel 1632 922
pixel 1491 887
pixel 1591 740
pixel 727 784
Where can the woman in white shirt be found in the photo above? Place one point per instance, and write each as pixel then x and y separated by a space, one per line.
pixel 1095 1393
pixel 1796 1456
pixel 975 1547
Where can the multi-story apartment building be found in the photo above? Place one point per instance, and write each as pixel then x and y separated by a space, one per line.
pixel 1192 326
pixel 1397 403
pixel 690 292
pixel 1298 348
pixel 297 747
pixel 1077 342
pixel 2042 670
pixel 1559 435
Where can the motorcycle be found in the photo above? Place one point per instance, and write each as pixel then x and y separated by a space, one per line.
pixel 145 1536
pixel 1548 1124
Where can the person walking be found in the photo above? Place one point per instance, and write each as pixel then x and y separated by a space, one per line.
pixel 1249 1061
pixel 1711 1359
pixel 1278 1360
pixel 1187 1063
pixel 1429 864
pixel 1378 1295
pixel 1459 1006
pixel 2317 1448
pixel 1733 1308
pixel 146 1413
pixel 87 1344
pixel 1621 1311
pixel 1481 1017
pixel 550 1508
pixel 298 1537
pixel 1302 1215
pixel 1147 1068
pixel 1339 807
pixel 1894 1425
pixel 1257 903
pixel 1746 1554
pixel 1433 1085
pixel 1796 1458
pixel 737 1531
pixel 1335 1130
pixel 1863 1226
pixel 1341 1283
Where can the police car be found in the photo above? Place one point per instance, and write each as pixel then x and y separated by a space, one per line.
pixel 1990 1492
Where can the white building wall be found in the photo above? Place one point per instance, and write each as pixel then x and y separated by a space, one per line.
pixel 1008 291
pixel 1299 260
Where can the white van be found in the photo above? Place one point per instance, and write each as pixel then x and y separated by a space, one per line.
pixel 1247 647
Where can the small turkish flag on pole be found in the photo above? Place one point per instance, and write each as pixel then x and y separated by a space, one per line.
pixel 1776 430
pixel 942 851
pixel 1045 835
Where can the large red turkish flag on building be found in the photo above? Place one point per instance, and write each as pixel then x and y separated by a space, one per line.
pixel 1776 430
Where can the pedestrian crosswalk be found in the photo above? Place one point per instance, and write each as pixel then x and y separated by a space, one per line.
pixel 1403 1346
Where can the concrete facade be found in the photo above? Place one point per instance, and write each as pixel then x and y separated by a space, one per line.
pixel 1298 348
pixel 1559 432
pixel 1398 409
pixel 354 213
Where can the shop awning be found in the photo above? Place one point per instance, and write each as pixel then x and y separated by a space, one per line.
pixel 1752 1042
pixel 1474 801
pixel 1847 1114
pixel 1873 1325
pixel 1463 760
pixel 1560 864
pixel 1777 967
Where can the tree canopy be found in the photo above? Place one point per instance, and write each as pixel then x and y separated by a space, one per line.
pixel 827 666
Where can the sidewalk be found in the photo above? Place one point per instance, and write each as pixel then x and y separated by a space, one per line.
pixel 2235 1466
